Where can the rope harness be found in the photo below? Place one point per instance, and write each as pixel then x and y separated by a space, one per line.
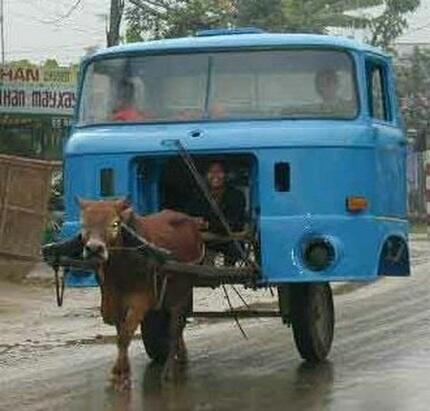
pixel 161 254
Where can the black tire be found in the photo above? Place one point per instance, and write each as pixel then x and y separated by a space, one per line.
pixel 312 318
pixel 155 335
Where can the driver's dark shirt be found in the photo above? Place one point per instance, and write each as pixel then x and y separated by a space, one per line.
pixel 232 204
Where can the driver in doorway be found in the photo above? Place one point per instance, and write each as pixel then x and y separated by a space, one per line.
pixel 232 203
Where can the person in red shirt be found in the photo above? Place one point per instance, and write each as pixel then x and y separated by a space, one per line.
pixel 126 110
pixel 127 113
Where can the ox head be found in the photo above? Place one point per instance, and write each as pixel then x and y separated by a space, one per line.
pixel 101 225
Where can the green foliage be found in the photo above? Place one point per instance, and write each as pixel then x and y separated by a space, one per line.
pixel 392 22
pixel 414 90
pixel 266 14
pixel 169 18
pixel 51 64
pixel 174 18
pixel 22 63
pixel 16 142
pixel 199 14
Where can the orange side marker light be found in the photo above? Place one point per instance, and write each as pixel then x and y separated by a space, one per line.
pixel 356 204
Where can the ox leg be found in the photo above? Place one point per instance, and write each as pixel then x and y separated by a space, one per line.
pixel 174 335
pixel 125 329
pixel 177 349
pixel 182 348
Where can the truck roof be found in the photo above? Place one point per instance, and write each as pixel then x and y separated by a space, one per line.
pixel 233 41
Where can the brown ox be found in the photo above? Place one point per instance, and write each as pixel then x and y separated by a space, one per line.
pixel 127 281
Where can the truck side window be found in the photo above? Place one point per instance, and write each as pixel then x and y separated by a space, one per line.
pixel 378 99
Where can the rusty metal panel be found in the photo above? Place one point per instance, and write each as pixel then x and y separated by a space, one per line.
pixel 28 188
pixel 3 181
pixel 24 193
pixel 22 233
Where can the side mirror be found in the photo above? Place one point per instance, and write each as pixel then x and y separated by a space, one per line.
pixel 411 136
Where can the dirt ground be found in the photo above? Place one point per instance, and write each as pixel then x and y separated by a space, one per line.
pixel 30 320
pixel 60 358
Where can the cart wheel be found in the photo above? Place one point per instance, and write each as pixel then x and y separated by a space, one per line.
pixel 155 335
pixel 312 318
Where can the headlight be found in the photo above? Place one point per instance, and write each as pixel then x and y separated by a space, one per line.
pixel 318 254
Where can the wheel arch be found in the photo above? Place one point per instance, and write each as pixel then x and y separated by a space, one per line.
pixel 394 259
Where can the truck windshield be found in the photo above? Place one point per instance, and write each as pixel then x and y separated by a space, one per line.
pixel 220 86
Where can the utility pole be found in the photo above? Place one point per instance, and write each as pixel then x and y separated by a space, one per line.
pixel 116 12
pixel 2 31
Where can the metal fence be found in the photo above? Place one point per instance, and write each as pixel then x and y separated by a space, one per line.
pixel 417 171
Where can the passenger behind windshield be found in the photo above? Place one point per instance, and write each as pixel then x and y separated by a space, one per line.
pixel 328 88
pixel 126 108
pixel 241 85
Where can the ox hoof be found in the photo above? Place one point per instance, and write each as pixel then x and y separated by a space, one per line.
pixel 121 368
pixel 174 371
pixel 122 383
pixel 121 378
pixel 168 373
pixel 182 357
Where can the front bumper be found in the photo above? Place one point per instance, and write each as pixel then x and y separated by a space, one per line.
pixel 358 242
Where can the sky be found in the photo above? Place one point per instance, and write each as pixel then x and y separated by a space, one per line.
pixel 35 29
pixel 38 29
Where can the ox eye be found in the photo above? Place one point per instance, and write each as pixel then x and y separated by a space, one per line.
pixel 115 224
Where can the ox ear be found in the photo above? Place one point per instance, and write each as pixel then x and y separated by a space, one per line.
pixel 80 202
pixel 127 215
pixel 122 204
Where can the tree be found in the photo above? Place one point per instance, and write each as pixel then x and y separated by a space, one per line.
pixel 22 63
pixel 392 22
pixel 115 17
pixel 414 92
pixel 170 18
pixel 309 16
pixel 51 64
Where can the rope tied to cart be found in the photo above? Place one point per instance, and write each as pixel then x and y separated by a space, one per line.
pixel 59 284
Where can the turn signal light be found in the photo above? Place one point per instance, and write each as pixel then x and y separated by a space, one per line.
pixel 356 204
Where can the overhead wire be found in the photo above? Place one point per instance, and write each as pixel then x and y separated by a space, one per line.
pixel 34 20
pixel 37 21
pixel 66 15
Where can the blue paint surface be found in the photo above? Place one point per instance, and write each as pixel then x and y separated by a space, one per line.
pixel 268 40
pixel 329 160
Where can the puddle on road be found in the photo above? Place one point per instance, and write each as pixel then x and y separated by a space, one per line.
pixel 302 387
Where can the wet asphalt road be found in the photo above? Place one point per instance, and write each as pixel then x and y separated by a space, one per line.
pixel 380 361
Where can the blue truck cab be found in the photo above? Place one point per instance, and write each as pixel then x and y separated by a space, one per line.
pixel 309 125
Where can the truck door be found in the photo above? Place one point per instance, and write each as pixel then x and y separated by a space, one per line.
pixel 390 142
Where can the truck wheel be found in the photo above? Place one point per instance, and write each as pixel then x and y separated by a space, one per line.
pixel 312 318
pixel 155 335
